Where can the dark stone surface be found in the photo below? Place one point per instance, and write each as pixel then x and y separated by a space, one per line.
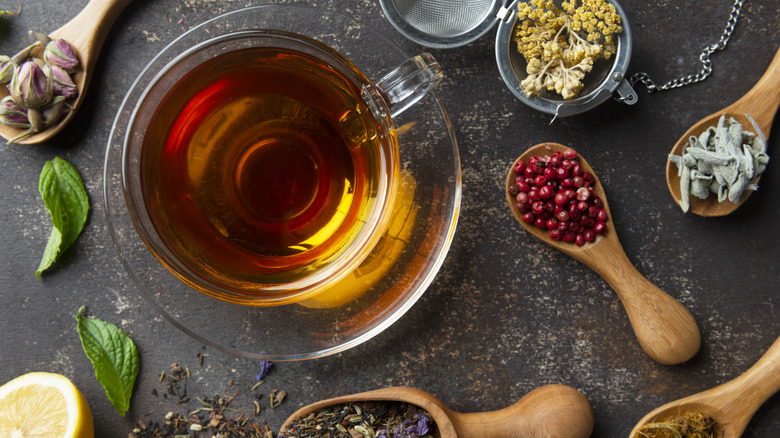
pixel 506 314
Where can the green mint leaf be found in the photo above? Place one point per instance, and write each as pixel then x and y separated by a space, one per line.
pixel 113 356
pixel 65 197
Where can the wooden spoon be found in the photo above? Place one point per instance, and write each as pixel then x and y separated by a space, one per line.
pixel 731 404
pixel 664 328
pixel 86 32
pixel 761 102
pixel 552 411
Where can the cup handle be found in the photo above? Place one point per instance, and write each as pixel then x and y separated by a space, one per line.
pixel 409 82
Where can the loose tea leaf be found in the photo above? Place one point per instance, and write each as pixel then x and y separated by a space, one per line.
pixel 65 197
pixel 379 419
pixel 114 358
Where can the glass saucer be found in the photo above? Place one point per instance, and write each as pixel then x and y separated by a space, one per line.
pixel 393 276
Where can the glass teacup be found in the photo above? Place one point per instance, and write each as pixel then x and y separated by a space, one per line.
pixel 261 167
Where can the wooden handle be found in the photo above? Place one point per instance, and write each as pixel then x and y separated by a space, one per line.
pixel 664 328
pixel 552 411
pixel 762 100
pixel 740 398
pixel 87 31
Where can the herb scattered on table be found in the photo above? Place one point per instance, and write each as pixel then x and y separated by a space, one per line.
pixel 265 367
pixel 380 419
pixel 688 425
pixel 215 416
pixel 724 160
pixel 560 45
pixel 65 197
pixel 215 423
pixel 176 383
pixel 114 358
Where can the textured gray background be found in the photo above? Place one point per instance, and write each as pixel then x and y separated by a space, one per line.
pixel 507 313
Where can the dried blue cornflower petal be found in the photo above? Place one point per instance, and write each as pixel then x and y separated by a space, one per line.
pixel 265 366
pixel 422 425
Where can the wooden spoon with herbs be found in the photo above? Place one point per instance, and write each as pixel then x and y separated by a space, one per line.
pixel 551 411
pixel 761 102
pixel 86 33
pixel 726 408
pixel 664 328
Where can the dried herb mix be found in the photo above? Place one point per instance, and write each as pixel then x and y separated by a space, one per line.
pixel 687 425
pixel 370 419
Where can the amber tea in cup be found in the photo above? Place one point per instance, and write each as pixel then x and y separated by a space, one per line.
pixel 266 164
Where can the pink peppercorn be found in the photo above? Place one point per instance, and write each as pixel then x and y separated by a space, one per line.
pixel 556 194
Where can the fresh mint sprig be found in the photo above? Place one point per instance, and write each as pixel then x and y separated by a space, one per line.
pixel 114 358
pixel 65 196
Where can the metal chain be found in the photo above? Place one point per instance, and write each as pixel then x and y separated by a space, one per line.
pixel 644 78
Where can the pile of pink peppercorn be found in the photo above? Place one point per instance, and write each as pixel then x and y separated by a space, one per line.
pixel 555 194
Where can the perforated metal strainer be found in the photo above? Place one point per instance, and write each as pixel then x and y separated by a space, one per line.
pixel 442 24
pixel 453 23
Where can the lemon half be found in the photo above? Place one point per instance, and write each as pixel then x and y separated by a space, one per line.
pixel 44 405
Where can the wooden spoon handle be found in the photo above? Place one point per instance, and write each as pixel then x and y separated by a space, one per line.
pixel 88 29
pixel 740 398
pixel 552 411
pixel 762 100
pixel 664 328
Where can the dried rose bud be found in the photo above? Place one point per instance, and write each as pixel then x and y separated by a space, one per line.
pixel 36 120
pixel 7 67
pixel 52 112
pixel 61 54
pixel 31 86
pixel 12 114
pixel 62 83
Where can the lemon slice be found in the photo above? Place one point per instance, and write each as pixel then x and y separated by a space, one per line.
pixel 43 405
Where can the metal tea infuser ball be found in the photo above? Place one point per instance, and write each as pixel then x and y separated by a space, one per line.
pixel 447 24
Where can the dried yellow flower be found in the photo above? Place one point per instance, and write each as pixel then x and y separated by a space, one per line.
pixel 560 45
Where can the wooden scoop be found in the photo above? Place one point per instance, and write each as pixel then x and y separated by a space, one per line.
pixel 731 404
pixel 86 33
pixel 664 328
pixel 761 102
pixel 552 411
